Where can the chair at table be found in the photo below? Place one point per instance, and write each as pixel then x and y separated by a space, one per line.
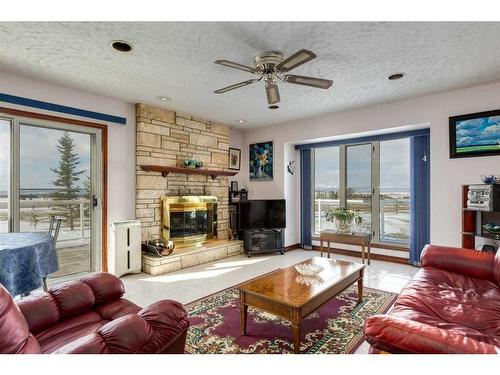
pixel 55 225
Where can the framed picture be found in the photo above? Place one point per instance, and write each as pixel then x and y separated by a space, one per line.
pixel 261 161
pixel 234 185
pixel 476 134
pixel 234 159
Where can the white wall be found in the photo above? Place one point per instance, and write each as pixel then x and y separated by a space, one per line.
pixel 446 174
pixel 121 138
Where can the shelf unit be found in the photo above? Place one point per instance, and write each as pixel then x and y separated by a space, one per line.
pixel 165 170
pixel 472 222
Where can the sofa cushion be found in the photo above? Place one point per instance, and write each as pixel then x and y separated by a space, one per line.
pixel 105 286
pixel 116 309
pixel 40 311
pixel 446 300
pixel 69 330
pixel 72 298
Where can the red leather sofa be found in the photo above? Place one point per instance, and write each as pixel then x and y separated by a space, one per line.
pixel 89 316
pixel 452 305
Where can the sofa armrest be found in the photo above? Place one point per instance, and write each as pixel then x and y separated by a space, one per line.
pixel 466 262
pixel 151 330
pixel 396 335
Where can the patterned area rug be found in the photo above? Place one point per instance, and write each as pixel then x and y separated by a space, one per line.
pixel 336 327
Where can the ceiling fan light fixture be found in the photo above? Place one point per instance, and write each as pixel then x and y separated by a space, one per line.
pixel 270 66
pixel 273 94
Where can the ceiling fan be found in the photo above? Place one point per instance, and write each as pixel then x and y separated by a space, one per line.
pixel 271 67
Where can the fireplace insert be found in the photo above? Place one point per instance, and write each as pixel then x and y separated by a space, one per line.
pixel 189 218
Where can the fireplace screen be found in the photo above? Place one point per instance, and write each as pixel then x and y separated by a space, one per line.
pixel 186 219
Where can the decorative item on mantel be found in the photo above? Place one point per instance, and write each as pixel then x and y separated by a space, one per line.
pixel 343 218
pixel 191 163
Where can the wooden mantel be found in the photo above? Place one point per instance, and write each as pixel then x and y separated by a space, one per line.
pixel 165 170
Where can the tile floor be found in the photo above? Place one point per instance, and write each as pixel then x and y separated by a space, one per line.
pixel 190 284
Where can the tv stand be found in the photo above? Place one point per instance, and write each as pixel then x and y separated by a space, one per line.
pixel 263 241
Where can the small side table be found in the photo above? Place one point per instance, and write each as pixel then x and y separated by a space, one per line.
pixel 361 239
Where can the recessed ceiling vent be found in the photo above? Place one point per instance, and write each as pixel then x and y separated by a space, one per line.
pixel 121 46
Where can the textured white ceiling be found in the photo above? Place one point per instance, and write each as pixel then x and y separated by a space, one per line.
pixel 175 59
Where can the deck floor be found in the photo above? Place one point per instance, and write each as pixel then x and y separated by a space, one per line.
pixel 73 260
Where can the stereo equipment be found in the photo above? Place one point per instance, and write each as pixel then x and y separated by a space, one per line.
pixel 483 197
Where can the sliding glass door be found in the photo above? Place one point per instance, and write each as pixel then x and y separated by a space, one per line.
pixel 55 171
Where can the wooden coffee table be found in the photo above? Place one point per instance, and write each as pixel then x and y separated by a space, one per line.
pixel 288 294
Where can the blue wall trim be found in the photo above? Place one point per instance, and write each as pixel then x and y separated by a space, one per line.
pixel 306 198
pixel 371 138
pixel 61 108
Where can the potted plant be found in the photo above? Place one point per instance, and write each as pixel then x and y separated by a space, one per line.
pixel 343 218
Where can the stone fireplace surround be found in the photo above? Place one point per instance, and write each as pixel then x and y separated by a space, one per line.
pixel 167 138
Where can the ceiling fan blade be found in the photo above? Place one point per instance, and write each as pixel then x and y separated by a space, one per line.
pixel 235 86
pixel 297 59
pixel 273 94
pixel 234 65
pixel 319 83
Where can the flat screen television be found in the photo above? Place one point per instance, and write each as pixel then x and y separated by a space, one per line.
pixel 475 134
pixel 262 214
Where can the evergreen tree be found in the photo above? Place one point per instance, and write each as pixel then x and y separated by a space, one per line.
pixel 67 177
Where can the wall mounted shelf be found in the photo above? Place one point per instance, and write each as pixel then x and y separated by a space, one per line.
pixel 165 170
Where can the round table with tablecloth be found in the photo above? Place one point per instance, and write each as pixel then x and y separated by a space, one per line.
pixel 25 259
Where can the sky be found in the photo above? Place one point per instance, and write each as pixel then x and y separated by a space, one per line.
pixel 394 171
pixel 480 131
pixel 39 154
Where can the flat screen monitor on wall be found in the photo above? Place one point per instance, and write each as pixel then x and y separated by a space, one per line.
pixel 262 214
pixel 476 134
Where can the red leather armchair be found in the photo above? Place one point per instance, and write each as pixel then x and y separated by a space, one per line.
pixel 89 316
pixel 452 305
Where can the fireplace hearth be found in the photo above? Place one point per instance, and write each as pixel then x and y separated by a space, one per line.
pixel 188 219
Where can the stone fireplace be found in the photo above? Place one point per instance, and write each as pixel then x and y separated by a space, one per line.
pixel 189 219
pixel 190 209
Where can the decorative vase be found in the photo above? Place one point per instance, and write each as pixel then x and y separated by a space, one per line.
pixel 343 226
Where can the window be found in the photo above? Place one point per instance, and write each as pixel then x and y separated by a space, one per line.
pixel 372 177
pixel 359 183
pixel 326 192
pixel 394 192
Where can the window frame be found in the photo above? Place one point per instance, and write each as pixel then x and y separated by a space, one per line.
pixel 375 188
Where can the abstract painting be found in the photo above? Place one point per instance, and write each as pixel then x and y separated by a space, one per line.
pixel 261 161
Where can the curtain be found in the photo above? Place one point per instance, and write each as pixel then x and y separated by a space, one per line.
pixel 419 197
pixel 306 198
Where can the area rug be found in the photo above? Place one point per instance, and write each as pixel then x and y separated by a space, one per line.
pixel 335 328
